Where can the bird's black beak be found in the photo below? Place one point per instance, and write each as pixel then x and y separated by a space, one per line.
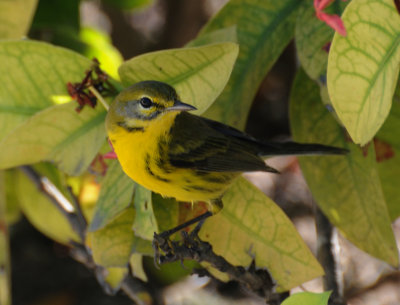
pixel 179 106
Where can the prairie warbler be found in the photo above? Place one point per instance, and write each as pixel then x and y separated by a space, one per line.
pixel 168 150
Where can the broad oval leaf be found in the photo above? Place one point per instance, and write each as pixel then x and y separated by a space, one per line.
pixel 251 222
pixel 112 245
pixel 115 196
pixel 58 134
pixel 347 188
pixel 41 212
pixel 308 298
pixel 198 74
pixel 16 17
pixel 37 73
pixel 145 221
pixel 264 28
pixel 363 66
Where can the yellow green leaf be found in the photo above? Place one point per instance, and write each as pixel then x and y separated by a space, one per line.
pixel 37 76
pixel 115 277
pixel 42 213
pixel 112 244
pixel 308 298
pixel 100 47
pixel 58 134
pixel 363 67
pixel 198 74
pixel 252 225
pixel 347 188
pixel 145 222
pixel 16 17
pixel 136 263
pixel 115 196
pixel 264 28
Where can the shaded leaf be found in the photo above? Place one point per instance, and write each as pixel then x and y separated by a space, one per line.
pixel 264 28
pixel 115 196
pixel 166 211
pixel 112 244
pixel 198 74
pixel 41 212
pixel 136 263
pixel 5 263
pixel 115 277
pixel 389 166
pixel 347 188
pixel 145 222
pixel 16 17
pixel 58 134
pixel 308 298
pixel 252 226
pixel 363 67
pixel 37 73
pixel 13 211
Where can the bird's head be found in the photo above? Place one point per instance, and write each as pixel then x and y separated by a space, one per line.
pixel 142 103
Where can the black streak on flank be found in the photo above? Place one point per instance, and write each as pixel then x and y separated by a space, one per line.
pixel 150 172
pixel 162 161
pixel 130 129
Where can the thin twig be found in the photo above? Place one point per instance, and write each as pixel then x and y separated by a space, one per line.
pixel 326 258
pixel 134 288
pixel 99 97
pixel 192 247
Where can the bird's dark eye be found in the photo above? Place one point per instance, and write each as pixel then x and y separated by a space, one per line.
pixel 146 102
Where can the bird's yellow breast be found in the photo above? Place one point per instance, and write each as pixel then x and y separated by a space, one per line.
pixel 143 155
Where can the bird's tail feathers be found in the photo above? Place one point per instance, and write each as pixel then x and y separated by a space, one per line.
pixel 293 148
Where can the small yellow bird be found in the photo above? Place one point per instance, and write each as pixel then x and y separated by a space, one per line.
pixel 163 147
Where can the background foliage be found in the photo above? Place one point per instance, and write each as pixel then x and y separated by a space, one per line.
pixel 345 93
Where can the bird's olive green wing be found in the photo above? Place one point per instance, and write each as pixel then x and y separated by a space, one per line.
pixel 194 143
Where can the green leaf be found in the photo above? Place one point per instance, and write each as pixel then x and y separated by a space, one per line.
pixel 312 36
pixel 112 244
pixel 37 73
pixel 136 264
pixel 252 225
pixel 347 188
pixel 41 212
pixel 16 17
pixel 13 211
pixel 145 222
pixel 198 74
pixel 220 35
pixel 115 196
pixel 308 298
pixel 166 211
pixel 264 28
pixel 115 277
pixel 129 4
pixel 58 134
pixel 363 67
pixel 5 264
pixel 100 47
pixel 387 146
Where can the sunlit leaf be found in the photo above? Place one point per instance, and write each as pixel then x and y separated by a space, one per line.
pixel 115 277
pixel 16 17
pixel 363 67
pixel 112 244
pixel 252 225
pixel 308 298
pixel 264 28
pixel 347 188
pixel 36 72
pixel 115 196
pixel 100 47
pixel 198 74
pixel 58 134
